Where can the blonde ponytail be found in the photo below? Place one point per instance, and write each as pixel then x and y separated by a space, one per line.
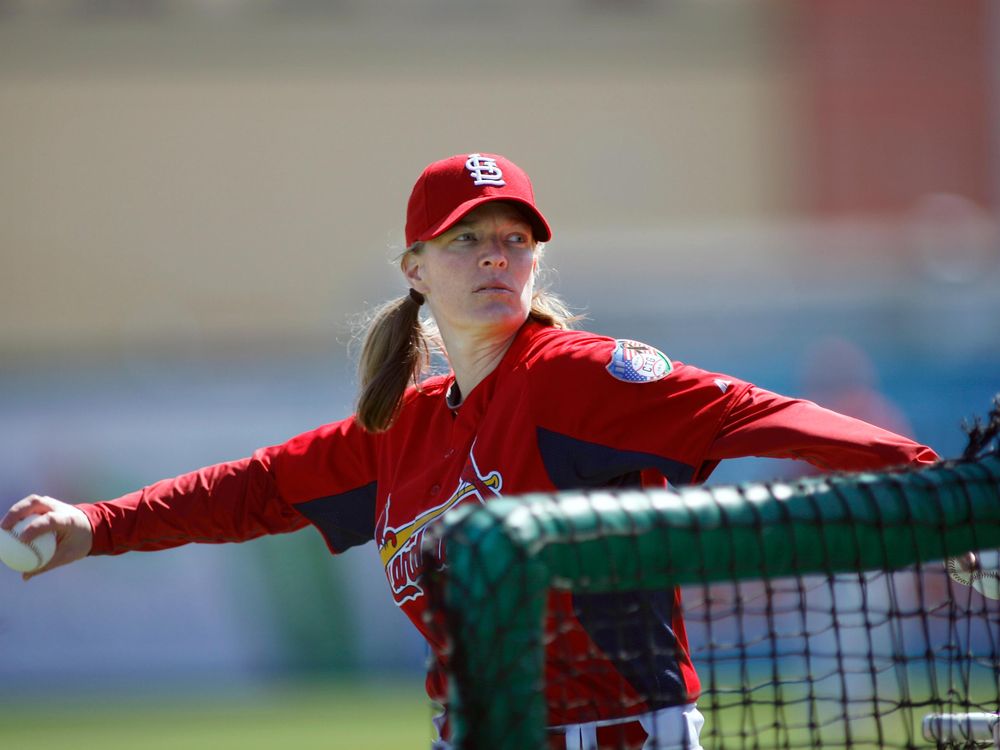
pixel 396 352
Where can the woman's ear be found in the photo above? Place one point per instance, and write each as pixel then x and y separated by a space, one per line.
pixel 413 271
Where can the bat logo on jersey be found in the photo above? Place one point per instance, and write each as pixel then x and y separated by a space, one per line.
pixel 400 546
pixel 484 170
pixel 635 362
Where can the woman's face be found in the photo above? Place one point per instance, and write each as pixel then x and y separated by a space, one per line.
pixel 478 277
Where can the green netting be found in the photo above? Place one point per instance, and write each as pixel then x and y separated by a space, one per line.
pixel 504 558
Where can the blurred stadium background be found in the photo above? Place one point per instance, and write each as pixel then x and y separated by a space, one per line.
pixel 198 198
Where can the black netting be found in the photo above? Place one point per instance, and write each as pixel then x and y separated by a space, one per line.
pixel 816 614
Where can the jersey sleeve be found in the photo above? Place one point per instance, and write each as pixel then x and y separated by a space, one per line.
pixel 599 416
pixel 325 477
pixel 766 424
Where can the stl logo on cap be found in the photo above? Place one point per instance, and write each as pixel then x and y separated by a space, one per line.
pixel 484 170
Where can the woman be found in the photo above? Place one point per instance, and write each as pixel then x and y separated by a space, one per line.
pixel 528 405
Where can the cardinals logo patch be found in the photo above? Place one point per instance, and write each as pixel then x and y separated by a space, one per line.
pixel 635 362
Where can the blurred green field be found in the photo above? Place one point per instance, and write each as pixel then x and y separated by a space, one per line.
pixel 386 716
pixel 369 716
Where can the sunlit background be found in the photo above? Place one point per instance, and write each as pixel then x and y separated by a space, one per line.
pixel 198 198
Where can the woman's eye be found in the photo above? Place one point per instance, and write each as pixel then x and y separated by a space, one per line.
pixel 465 237
pixel 517 238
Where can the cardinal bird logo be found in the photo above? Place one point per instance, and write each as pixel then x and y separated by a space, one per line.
pixel 399 546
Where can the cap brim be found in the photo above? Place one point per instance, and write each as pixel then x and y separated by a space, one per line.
pixel 540 227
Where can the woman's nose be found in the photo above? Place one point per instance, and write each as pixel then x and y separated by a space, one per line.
pixel 494 254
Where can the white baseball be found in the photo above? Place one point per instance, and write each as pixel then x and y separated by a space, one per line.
pixel 964 570
pixel 26 556
pixel 987 583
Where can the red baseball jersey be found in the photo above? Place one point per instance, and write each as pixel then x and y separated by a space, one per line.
pixel 562 410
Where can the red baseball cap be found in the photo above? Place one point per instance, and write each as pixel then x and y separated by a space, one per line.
pixel 448 189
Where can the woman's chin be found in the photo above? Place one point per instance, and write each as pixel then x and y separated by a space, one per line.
pixel 503 319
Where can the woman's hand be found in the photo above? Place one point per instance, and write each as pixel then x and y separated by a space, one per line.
pixel 74 536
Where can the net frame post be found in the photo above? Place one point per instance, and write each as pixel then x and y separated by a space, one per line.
pixel 491 585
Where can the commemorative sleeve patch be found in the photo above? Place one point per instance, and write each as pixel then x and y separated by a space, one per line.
pixel 635 362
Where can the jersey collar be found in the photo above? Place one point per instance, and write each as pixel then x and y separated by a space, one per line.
pixel 483 392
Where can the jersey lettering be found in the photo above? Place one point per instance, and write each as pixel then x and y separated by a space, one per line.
pixel 400 547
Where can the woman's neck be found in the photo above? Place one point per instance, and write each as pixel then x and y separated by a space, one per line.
pixel 472 359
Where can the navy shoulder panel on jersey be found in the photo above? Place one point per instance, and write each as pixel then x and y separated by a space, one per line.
pixel 572 463
pixel 346 519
